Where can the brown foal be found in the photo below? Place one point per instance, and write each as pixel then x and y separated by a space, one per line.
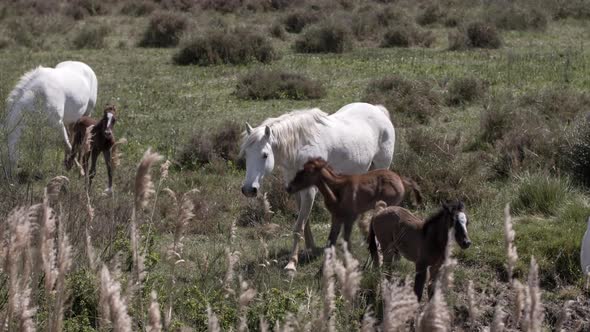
pixel 348 196
pixel 101 141
pixel 420 241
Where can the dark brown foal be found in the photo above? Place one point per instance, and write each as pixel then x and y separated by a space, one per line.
pixel 420 241
pixel 101 140
pixel 348 196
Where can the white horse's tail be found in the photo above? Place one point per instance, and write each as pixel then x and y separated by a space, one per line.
pixel 384 110
pixel 11 125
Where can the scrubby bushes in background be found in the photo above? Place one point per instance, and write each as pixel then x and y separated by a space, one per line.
pixel 477 34
pixel 576 151
pixel 516 17
pixel 415 99
pixel 91 36
pixel 296 21
pixel 465 89
pixel 138 7
pixel 540 194
pixel 79 9
pixel 406 35
pixel 164 30
pixel 205 145
pixel 431 14
pixel 275 84
pixel 325 37
pixel 233 47
pixel 368 21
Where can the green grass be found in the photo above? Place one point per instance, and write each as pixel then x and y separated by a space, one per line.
pixel 160 104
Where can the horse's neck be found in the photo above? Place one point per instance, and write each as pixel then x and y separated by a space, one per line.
pixel 329 195
pixel 436 229
pixel 333 180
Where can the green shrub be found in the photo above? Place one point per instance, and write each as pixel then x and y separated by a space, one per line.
pixel 406 35
pixel 274 84
pixel 575 157
pixel 91 36
pixel 296 21
pixel 415 99
pixel 232 47
pixel 540 194
pixel 476 35
pixel 431 14
pixel 276 30
pixel 557 103
pixel 79 9
pixel 465 89
pixel 138 8
pixel 164 30
pixel 369 20
pixel 329 37
pixel 514 17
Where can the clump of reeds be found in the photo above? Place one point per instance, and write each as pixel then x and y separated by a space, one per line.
pixel 399 305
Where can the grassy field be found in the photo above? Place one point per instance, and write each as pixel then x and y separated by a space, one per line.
pixel 535 85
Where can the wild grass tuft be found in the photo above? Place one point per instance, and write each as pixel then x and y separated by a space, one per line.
pixel 276 84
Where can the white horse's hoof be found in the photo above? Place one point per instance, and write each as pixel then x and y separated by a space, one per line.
pixel 291 267
pixel 108 192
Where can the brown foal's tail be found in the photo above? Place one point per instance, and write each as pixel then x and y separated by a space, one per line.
pixel 411 184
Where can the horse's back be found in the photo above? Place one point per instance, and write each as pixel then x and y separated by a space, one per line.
pixel 398 227
pixel 89 76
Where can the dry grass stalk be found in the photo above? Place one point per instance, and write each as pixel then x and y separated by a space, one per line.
pixel 498 320
pixel 64 263
pixel 212 321
pixel 90 254
pixel 54 187
pixel 164 170
pixel 232 259
pixel 87 142
pixel 135 282
pixel 116 156
pixel 266 208
pixel 263 324
pixel 436 316
pixel 112 304
pixel 348 274
pixel 233 230
pixel 369 321
pixel 155 321
pixel 519 302
pixel 47 244
pixel 18 261
pixel 446 276
pixel 564 315
pixel 509 235
pixel 144 187
pixel 399 304
pixel 327 316
pixel 533 319
pixel 471 304
pixel 247 294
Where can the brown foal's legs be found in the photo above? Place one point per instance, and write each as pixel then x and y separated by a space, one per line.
pixel 420 279
pixel 433 274
pixel 92 172
pixel 108 162
pixel 348 224
pixel 334 231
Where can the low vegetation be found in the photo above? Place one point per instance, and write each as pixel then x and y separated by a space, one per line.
pixel 232 47
pixel 407 35
pixel 91 36
pixel 164 30
pixel 329 37
pixel 476 34
pixel 274 84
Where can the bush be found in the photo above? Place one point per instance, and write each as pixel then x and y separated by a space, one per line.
pixel 276 30
pixel 540 194
pixel 206 145
pixel 560 103
pixel 274 84
pixel 178 5
pixel 223 6
pixel 327 37
pixel 79 9
pixel 442 170
pixel 575 157
pixel 513 17
pixel 465 89
pixel 407 35
pixel 368 21
pixel 296 21
pixel 413 98
pixel 91 36
pixel 138 8
pixel 164 30
pixel 476 34
pixel 431 14
pixel 218 47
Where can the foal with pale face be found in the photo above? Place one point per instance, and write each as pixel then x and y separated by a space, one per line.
pixel 420 241
pixel 101 140
pixel 348 196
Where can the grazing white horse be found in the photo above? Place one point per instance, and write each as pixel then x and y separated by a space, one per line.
pixel 355 139
pixel 64 94
pixel 585 251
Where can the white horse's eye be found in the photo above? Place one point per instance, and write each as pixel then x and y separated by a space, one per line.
pixel 264 155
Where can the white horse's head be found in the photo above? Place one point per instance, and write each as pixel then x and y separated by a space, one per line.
pixel 257 150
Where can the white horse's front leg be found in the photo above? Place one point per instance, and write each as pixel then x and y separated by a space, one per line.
pixel 306 198
pixel 67 145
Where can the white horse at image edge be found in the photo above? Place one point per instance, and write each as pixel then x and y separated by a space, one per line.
pixel 585 251
pixel 357 138
pixel 63 94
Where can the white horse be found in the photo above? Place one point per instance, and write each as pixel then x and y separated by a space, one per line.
pixel 64 94
pixel 355 139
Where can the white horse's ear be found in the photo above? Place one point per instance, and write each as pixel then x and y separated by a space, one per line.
pixel 249 128
pixel 267 131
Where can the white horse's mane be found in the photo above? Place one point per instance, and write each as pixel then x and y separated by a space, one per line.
pixel 290 131
pixel 21 86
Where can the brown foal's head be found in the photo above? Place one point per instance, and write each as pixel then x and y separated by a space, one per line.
pixel 308 176
pixel 459 223
pixel 108 121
